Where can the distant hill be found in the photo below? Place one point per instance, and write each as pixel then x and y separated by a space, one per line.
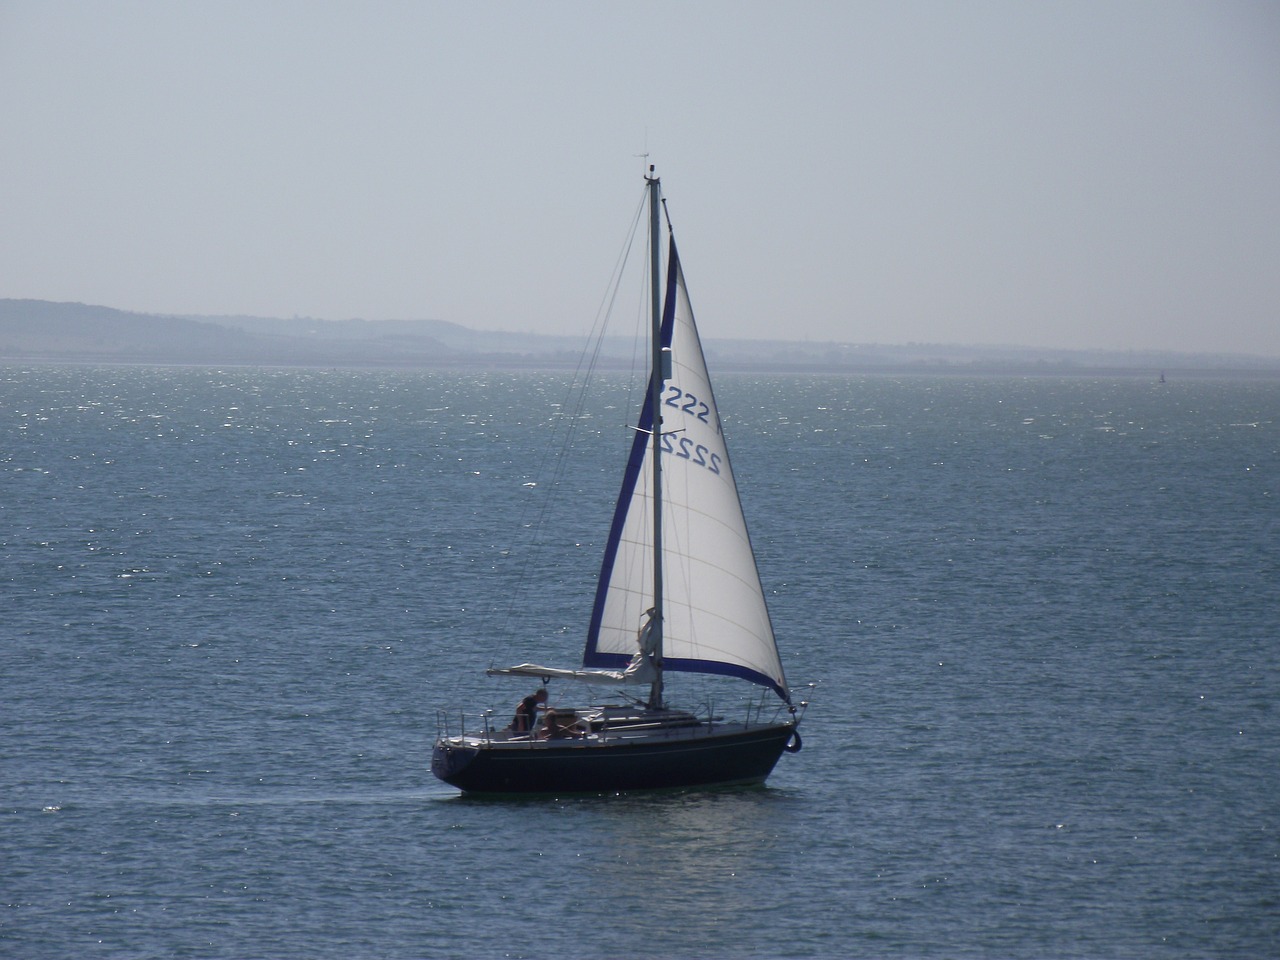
pixel 39 330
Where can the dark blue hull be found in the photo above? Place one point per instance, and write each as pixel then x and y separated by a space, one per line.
pixel 684 759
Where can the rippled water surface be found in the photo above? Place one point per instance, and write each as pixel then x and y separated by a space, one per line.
pixel 1042 615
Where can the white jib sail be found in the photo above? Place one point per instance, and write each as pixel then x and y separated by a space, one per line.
pixel 716 619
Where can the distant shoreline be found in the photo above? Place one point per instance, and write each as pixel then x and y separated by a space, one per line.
pixel 43 332
pixel 511 365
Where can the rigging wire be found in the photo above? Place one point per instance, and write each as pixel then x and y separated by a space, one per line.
pixel 567 422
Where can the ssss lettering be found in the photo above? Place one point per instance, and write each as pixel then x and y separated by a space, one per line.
pixel 696 453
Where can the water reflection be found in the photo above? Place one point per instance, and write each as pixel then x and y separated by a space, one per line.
pixel 703 859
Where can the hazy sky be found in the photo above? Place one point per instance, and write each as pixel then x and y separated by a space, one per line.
pixel 1062 174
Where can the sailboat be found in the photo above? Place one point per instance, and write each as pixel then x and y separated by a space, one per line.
pixel 678 592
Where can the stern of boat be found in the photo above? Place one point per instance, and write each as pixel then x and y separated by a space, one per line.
pixel 449 759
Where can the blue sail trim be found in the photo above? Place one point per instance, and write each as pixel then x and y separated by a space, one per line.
pixel 590 657
pixel 639 446
pixel 616 661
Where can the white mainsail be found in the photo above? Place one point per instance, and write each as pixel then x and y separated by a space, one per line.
pixel 715 619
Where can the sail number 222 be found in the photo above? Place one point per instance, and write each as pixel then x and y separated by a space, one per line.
pixel 688 403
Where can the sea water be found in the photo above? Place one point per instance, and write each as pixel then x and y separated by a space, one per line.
pixel 1041 615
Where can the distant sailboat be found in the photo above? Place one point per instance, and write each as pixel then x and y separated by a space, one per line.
pixel 678 591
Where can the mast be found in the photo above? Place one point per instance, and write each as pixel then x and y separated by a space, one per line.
pixel 655 411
